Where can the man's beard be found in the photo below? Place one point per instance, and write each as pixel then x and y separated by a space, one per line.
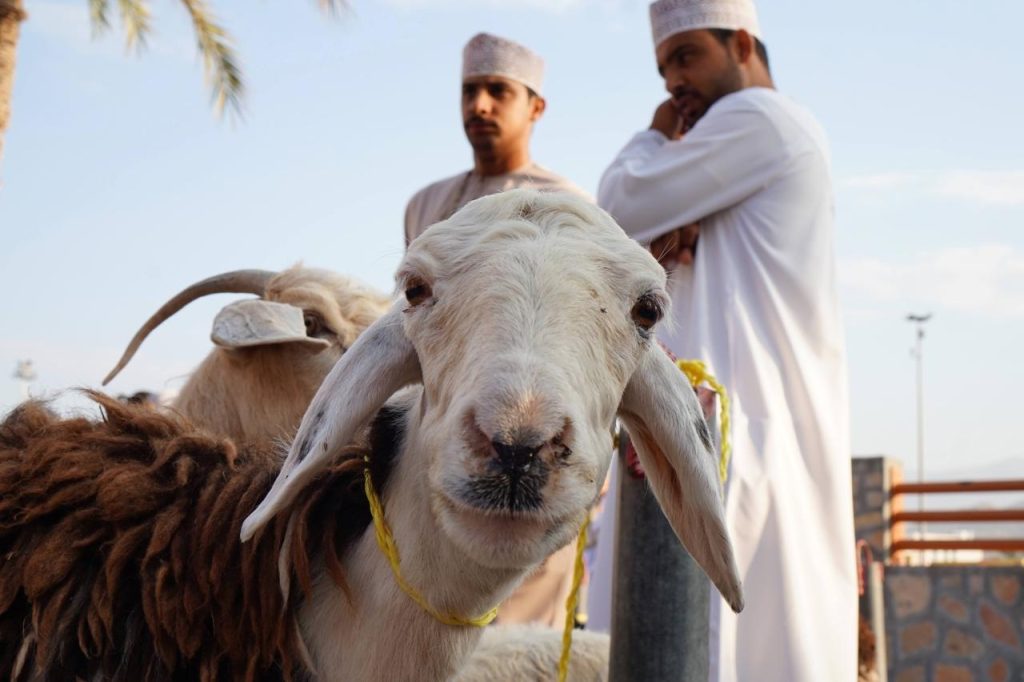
pixel 694 104
pixel 485 145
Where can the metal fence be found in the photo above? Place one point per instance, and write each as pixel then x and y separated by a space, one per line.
pixel 1012 544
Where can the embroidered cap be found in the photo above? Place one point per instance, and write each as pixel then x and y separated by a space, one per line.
pixel 669 17
pixel 490 55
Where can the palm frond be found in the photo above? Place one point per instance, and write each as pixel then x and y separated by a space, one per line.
pixel 333 7
pixel 135 16
pixel 220 62
pixel 98 16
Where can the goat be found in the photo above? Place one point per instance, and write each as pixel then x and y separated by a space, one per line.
pixel 273 352
pixel 527 323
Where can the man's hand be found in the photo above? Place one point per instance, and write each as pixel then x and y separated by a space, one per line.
pixel 667 120
pixel 676 247
pixel 673 119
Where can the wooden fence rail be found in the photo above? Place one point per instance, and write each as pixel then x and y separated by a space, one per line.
pixel 958 487
pixel 960 516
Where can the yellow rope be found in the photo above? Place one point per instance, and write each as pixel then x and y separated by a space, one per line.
pixel 697 372
pixel 386 542
pixel 572 602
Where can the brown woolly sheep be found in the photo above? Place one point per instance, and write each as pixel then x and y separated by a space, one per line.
pixel 120 551
pixel 272 352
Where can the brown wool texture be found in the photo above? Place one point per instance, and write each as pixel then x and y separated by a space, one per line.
pixel 120 557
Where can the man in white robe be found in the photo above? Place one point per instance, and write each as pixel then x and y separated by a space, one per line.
pixel 731 188
pixel 501 101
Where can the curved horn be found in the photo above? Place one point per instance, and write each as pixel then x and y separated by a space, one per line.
pixel 234 282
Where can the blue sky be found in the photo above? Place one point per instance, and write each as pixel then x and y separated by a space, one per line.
pixel 119 186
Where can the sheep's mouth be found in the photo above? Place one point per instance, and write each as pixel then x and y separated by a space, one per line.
pixel 494 526
pixel 514 493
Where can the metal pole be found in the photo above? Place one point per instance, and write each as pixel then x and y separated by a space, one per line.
pixel 872 609
pixel 918 353
pixel 876 615
pixel 660 596
pixel 920 424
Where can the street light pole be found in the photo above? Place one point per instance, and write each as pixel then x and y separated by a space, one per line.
pixel 919 322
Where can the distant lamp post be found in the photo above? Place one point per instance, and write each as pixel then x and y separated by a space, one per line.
pixel 917 352
pixel 25 373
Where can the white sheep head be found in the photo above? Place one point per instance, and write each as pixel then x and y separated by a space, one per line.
pixel 528 318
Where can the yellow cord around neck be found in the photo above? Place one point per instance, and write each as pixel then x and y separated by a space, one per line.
pixel 386 542
pixel 696 372
pixel 573 601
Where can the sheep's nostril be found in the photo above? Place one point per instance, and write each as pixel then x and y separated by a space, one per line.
pixel 515 458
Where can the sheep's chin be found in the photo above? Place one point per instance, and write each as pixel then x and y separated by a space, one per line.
pixel 500 540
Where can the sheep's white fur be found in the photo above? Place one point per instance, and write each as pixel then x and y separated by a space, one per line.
pixel 523 333
pixel 522 653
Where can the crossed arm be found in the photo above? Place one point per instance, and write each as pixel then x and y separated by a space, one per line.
pixel 664 181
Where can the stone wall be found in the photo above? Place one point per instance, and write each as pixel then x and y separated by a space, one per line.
pixel 873 478
pixel 955 623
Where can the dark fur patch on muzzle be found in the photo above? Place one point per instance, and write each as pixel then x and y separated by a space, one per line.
pixel 509 492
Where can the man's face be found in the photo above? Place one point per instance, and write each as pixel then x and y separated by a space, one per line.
pixel 498 113
pixel 698 70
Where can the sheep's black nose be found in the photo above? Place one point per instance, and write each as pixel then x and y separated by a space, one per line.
pixel 515 458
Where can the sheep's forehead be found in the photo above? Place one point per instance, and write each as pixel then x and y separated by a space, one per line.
pixel 565 233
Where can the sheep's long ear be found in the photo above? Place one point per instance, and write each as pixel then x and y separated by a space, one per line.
pixel 380 362
pixel 661 412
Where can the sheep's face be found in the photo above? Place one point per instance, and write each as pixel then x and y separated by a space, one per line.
pixel 528 319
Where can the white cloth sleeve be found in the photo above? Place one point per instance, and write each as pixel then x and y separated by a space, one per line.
pixel 655 184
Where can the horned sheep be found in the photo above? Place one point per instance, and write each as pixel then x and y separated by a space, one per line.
pixel 526 327
pixel 272 352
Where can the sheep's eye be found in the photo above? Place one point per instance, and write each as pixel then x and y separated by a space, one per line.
pixel 314 324
pixel 417 292
pixel 646 312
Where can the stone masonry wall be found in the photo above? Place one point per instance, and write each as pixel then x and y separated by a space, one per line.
pixel 873 478
pixel 955 623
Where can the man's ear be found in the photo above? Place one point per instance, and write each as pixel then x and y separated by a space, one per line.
pixel 743 46
pixel 538 104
